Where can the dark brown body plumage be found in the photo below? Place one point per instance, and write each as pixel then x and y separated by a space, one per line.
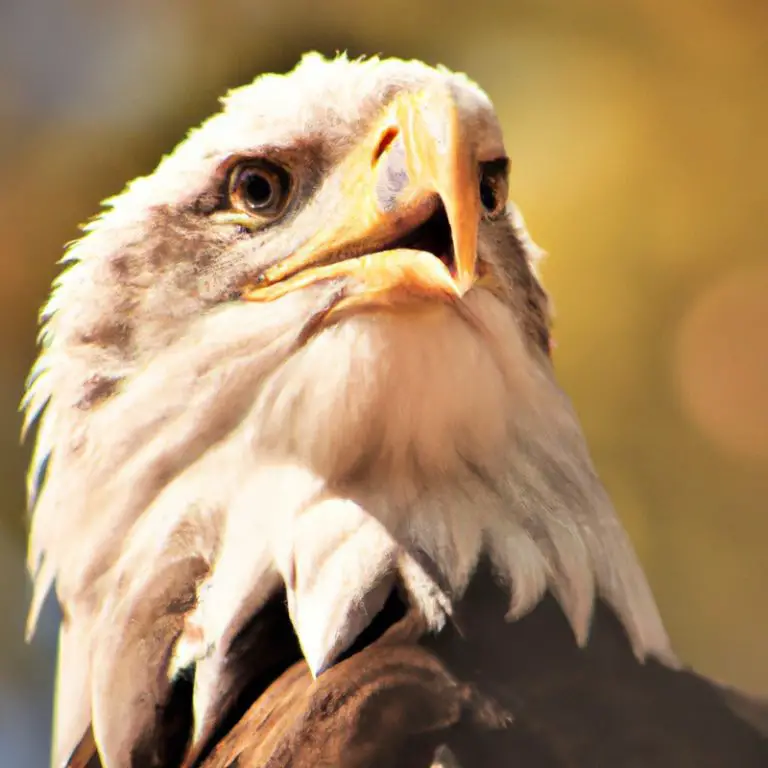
pixel 495 695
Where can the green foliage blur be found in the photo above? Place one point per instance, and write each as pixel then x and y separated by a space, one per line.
pixel 638 132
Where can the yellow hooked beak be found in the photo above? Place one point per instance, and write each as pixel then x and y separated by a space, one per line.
pixel 415 162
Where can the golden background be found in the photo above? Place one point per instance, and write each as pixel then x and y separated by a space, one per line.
pixel 638 132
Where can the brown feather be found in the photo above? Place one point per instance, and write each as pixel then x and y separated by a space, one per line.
pixel 495 694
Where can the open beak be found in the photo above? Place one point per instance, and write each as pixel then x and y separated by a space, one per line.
pixel 415 167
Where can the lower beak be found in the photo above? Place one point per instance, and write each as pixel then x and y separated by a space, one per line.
pixel 415 160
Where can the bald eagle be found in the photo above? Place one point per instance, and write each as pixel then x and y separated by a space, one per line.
pixel 304 479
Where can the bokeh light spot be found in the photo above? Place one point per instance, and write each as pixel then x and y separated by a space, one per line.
pixel 721 362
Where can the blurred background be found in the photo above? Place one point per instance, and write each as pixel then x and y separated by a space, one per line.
pixel 639 138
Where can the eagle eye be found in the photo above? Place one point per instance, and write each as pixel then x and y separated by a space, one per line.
pixel 259 188
pixel 493 186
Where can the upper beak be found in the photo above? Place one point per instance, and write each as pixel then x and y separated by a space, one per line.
pixel 416 158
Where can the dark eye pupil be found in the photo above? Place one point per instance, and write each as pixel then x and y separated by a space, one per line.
pixel 258 190
pixel 487 195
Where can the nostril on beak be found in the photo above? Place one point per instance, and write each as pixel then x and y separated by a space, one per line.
pixel 391 170
pixel 387 137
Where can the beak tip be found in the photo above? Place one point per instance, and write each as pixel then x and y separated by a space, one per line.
pixel 464 285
